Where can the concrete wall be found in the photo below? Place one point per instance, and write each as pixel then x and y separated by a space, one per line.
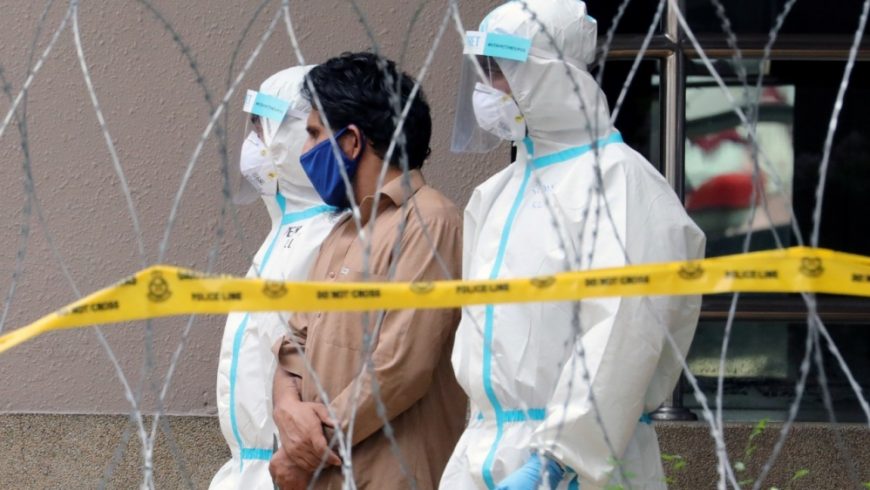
pixel 52 451
pixel 156 113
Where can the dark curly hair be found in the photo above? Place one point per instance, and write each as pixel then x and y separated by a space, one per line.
pixel 355 88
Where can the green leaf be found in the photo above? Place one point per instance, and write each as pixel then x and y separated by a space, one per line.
pixel 615 462
pixel 739 466
pixel 867 485
pixel 759 428
pixel 750 450
pixel 676 461
pixel 745 483
pixel 800 474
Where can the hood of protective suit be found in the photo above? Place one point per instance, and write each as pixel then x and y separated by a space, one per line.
pixel 300 223
pixel 545 87
pixel 284 141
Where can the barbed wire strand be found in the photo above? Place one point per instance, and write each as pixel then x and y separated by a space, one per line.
pixel 549 205
pixel 556 215
pixel 839 441
pixel 227 200
pixel 636 63
pixel 98 332
pixel 737 109
pixel 219 130
pixel 39 63
pixel 227 191
pixel 368 335
pixel 367 365
pixel 27 208
pixel 110 145
pixel 756 170
pixel 592 127
pixel 753 116
pixel 222 150
pixel 173 214
pixel 118 453
pixel 621 475
pixel 21 99
pixel 817 221
pixel 346 443
pixel 737 57
pixel 832 124
pixel 406 43
pixel 149 340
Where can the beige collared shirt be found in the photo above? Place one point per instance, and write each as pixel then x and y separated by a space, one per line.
pixel 425 405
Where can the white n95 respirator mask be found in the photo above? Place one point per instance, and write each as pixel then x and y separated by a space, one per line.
pixel 256 165
pixel 497 113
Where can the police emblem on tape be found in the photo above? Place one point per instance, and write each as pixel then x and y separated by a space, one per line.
pixel 811 267
pixel 424 287
pixel 274 289
pixel 542 282
pixel 158 288
pixel 690 271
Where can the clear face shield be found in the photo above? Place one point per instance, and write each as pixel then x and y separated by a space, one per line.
pixel 485 114
pixel 258 158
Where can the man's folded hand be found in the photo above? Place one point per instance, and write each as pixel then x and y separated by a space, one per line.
pixel 285 474
pixel 300 426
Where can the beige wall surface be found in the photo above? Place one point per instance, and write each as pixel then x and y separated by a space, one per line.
pixel 155 113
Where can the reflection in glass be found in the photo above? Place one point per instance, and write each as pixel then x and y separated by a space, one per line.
pixel 796 105
pixel 719 167
pixel 762 369
pixel 756 350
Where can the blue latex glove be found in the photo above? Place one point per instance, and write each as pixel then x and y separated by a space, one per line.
pixel 530 475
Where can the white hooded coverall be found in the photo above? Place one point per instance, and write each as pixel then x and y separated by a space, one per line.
pixel 520 364
pixel 300 222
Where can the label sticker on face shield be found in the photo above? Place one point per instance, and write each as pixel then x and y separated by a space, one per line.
pixel 497 45
pixel 265 105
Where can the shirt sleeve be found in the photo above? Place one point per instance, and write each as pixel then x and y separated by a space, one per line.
pixel 622 342
pixel 411 343
pixel 291 349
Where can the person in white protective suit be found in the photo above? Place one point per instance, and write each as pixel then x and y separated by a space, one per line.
pixel 557 402
pixel 300 222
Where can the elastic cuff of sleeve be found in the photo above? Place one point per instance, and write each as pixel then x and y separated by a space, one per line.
pixel 556 471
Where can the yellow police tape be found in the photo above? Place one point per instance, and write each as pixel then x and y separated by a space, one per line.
pixel 160 291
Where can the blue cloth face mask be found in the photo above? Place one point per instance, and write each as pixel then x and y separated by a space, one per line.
pixel 323 171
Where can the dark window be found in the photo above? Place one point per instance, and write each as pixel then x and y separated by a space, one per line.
pixel 636 20
pixel 758 16
pixel 763 367
pixel 638 118
pixel 795 107
pixel 676 114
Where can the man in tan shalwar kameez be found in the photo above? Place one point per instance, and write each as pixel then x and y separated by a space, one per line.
pixel 416 237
